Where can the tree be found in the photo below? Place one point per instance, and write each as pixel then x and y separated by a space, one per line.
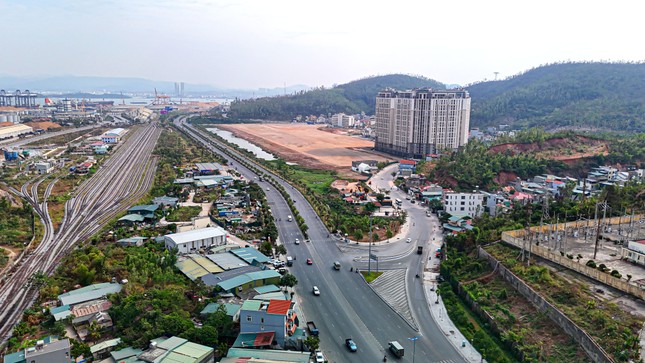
pixel 312 342
pixel 288 280
pixel 280 250
pixel 266 248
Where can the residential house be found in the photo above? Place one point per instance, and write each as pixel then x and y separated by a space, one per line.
pixel 461 204
pixel 276 316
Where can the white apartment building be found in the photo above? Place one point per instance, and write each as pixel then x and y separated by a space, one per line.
pixel 342 120
pixel 461 204
pixel 421 122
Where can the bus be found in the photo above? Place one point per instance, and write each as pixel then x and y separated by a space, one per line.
pixel 398 201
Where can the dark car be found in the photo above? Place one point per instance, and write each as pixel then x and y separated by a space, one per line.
pixel 351 345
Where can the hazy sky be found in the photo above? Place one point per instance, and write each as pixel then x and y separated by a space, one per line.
pixel 266 43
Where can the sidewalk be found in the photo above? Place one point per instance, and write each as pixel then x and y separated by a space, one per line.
pixel 439 314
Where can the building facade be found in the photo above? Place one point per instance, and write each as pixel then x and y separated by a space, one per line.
pixel 342 120
pixel 462 204
pixel 421 122
pixel 191 241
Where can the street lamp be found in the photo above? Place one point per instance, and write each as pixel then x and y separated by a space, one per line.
pixel 414 347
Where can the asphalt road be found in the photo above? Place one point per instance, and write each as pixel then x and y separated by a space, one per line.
pixel 347 306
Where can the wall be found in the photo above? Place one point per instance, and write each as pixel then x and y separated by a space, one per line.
pixel 593 350
pixel 516 239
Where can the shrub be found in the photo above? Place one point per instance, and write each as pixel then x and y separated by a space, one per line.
pixel 591 264
pixel 616 274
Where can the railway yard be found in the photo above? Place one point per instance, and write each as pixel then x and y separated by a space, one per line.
pixel 123 179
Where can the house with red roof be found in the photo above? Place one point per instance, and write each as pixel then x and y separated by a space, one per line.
pixel 276 316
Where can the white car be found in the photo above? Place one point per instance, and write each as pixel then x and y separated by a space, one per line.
pixel 316 291
pixel 408 240
pixel 297 241
pixel 320 358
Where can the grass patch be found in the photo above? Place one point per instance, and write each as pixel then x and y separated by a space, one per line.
pixel 369 277
pixel 183 214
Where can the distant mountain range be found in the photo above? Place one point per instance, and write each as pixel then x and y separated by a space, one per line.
pixel 351 98
pixel 116 85
pixel 605 96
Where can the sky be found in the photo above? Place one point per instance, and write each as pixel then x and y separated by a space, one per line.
pixel 270 43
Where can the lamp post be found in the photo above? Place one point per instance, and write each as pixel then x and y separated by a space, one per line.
pixel 414 347
pixel 369 253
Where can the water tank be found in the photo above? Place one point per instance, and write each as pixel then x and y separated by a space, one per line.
pixel 10 155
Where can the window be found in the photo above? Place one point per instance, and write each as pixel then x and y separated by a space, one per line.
pixel 248 318
pixel 262 320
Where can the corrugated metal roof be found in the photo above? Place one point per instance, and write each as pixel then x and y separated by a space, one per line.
pixel 132 218
pixel 205 263
pixel 106 344
pixel 143 208
pixel 88 293
pixel 196 234
pixel 253 305
pixel 124 353
pixel 249 254
pixel 279 307
pixel 193 350
pixel 266 288
pixel 278 295
pixel 246 278
pixel 190 268
pixel 227 261
pixel 270 354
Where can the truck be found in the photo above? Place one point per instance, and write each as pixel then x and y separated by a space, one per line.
pixel 396 348
pixel 312 328
pixel 419 250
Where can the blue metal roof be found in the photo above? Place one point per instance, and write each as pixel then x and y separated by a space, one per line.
pixel 246 278
pixel 249 254
pixel 88 293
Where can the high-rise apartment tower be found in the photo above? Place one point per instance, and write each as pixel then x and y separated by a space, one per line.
pixel 421 122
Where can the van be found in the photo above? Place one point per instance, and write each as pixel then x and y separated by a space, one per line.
pixel 289 261
pixel 396 348
pixel 336 265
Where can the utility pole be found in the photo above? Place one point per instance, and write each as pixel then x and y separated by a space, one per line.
pixel 595 248
pixel 369 253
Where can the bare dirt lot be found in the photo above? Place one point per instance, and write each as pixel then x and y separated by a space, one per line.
pixel 308 145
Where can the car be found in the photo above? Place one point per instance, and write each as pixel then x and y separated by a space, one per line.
pixel 349 343
pixel 412 201
pixel 282 270
pixel 309 261
pixel 297 241
pixel 320 358
pixel 316 291
pixel 407 198
pixel 268 189
pixel 408 240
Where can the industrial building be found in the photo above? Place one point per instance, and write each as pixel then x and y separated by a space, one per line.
pixel 44 167
pixel 421 122
pixel 8 132
pixel 190 241
pixel 113 136
pixel 89 293
pixel 47 350
pixel 18 99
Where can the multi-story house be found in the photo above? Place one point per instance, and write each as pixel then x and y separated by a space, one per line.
pixel 276 316
pixel 462 204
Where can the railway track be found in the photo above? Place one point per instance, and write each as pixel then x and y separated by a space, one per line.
pixel 117 184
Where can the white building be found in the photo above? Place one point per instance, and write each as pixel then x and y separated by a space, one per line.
pixel 113 136
pixel 635 252
pixel 342 120
pixel 192 241
pixel 421 122
pixel 461 204
pixel 14 130
pixel 44 167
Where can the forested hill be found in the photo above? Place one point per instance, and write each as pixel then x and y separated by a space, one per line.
pixel 349 98
pixel 609 96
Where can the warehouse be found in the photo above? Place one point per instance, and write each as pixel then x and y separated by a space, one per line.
pixel 191 241
pixel 113 136
pixel 15 130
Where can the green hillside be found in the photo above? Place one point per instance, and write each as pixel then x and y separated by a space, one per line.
pixel 349 98
pixel 608 96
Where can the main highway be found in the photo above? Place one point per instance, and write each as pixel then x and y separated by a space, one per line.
pixel 124 178
pixel 347 306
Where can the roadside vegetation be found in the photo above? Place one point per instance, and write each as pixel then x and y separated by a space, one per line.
pixel 518 328
pixel 15 224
